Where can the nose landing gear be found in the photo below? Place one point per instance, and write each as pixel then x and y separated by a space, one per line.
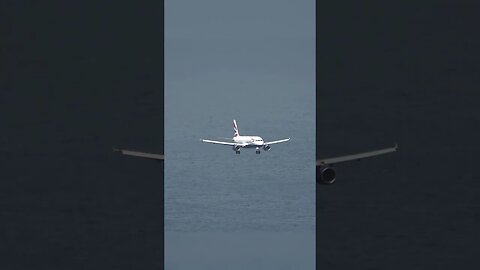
pixel 257 151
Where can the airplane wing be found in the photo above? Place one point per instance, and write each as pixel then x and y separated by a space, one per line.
pixel 278 141
pixel 356 156
pixel 219 142
pixel 139 154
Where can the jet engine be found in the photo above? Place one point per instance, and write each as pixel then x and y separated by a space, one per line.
pixel 236 148
pixel 325 175
pixel 266 147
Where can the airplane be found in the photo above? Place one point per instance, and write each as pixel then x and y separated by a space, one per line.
pixel 325 174
pixel 239 141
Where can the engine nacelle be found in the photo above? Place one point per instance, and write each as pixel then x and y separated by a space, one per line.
pixel 236 148
pixel 266 147
pixel 325 175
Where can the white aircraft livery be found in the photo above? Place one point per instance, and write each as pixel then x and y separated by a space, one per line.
pixel 239 142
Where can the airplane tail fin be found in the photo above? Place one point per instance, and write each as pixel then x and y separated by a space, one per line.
pixel 235 129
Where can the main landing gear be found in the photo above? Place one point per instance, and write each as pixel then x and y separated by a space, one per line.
pixel 237 152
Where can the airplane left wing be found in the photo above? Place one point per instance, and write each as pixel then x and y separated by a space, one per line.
pixel 219 142
pixel 278 141
pixel 356 156
pixel 139 154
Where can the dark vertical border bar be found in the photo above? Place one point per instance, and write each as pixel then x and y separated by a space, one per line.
pixel 317 135
pixel 83 77
pixel 411 69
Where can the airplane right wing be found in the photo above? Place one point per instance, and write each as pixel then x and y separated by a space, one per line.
pixel 358 156
pixel 278 141
pixel 219 142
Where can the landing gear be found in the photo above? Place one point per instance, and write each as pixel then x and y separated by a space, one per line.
pixel 237 152
pixel 258 151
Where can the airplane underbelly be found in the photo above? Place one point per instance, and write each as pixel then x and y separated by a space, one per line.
pixel 253 146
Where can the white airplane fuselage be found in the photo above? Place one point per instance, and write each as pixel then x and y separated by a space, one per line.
pixel 239 142
pixel 252 141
